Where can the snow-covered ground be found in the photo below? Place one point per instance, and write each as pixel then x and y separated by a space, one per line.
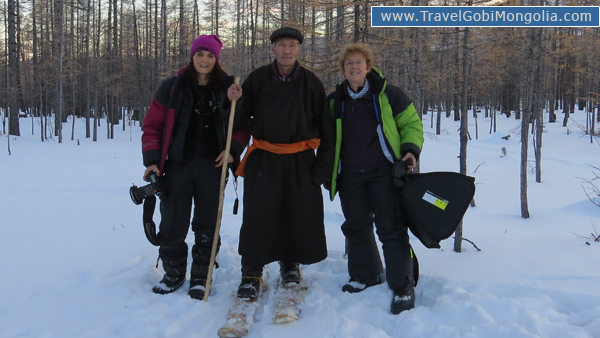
pixel 75 262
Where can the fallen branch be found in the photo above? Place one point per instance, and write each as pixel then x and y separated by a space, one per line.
pixel 464 239
pixel 594 236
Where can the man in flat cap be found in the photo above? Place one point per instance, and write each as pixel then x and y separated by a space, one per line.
pixel 286 108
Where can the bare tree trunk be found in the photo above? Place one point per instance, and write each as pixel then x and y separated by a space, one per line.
pixel 57 51
pixel 593 126
pixel 163 36
pixel 438 128
pixel 456 70
pixel 553 84
pixel 476 123
pixel 95 127
pixel 339 28
pixel 13 81
pixel 37 87
pixel 6 78
pixel 567 113
pixel 356 21
pixel 157 66
pixel 108 113
pixel 530 110
pixel 313 34
pixel 138 63
pixel 598 115
pixel 74 115
pixel 418 97
pixel 217 17
pixel 464 125
pixel 87 70
pixel 182 30
pixel 537 109
pixel 116 60
pixel 45 124
pixel 19 45
pixel 97 72
pixel 569 85
pixel 60 92
pixel 253 32
pixel 524 145
pixel 438 122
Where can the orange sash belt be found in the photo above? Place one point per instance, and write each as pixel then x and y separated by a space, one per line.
pixel 278 148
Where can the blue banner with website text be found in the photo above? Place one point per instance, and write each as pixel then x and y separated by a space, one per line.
pixel 485 16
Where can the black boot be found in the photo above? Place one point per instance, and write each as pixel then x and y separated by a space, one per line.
pixel 290 273
pixel 197 288
pixel 249 287
pixel 355 285
pixel 199 274
pixel 168 284
pixel 174 265
pixel 404 297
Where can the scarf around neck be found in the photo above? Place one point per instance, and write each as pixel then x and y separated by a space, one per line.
pixel 360 94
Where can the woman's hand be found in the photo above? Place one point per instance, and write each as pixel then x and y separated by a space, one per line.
pixel 413 161
pixel 154 168
pixel 234 92
pixel 219 159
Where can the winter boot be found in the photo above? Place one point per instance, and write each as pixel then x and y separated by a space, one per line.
pixel 290 273
pixel 358 285
pixel 197 288
pixel 199 275
pixel 174 266
pixel 404 297
pixel 249 288
pixel 168 284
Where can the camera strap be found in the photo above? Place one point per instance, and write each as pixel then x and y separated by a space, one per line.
pixel 149 225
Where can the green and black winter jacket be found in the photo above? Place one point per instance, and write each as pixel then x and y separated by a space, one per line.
pixel 397 120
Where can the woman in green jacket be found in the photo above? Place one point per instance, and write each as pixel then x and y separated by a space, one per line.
pixel 376 125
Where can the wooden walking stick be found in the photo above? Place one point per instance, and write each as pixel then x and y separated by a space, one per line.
pixel 226 155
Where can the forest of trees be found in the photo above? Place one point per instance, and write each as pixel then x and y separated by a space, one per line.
pixel 93 58
pixel 97 59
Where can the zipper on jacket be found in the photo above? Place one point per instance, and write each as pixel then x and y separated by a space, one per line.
pixel 380 122
pixel 377 113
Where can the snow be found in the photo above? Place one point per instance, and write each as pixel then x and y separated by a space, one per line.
pixel 75 261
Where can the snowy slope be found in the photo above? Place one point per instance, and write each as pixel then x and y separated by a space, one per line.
pixel 75 262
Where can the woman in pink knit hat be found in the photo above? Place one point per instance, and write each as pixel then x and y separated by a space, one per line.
pixel 184 136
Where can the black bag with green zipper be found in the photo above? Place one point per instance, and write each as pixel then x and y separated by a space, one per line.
pixel 433 204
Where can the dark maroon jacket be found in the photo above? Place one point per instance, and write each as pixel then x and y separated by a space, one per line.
pixel 170 99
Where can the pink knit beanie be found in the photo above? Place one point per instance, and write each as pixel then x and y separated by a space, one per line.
pixel 210 43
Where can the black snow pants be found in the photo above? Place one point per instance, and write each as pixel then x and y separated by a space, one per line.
pixel 368 197
pixel 194 180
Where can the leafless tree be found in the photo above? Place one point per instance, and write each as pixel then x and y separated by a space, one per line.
pixel 13 76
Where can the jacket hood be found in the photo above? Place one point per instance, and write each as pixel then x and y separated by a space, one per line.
pixel 377 81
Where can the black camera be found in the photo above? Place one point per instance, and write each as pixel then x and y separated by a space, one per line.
pixel 155 187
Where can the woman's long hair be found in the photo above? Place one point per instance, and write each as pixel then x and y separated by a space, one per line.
pixel 216 77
